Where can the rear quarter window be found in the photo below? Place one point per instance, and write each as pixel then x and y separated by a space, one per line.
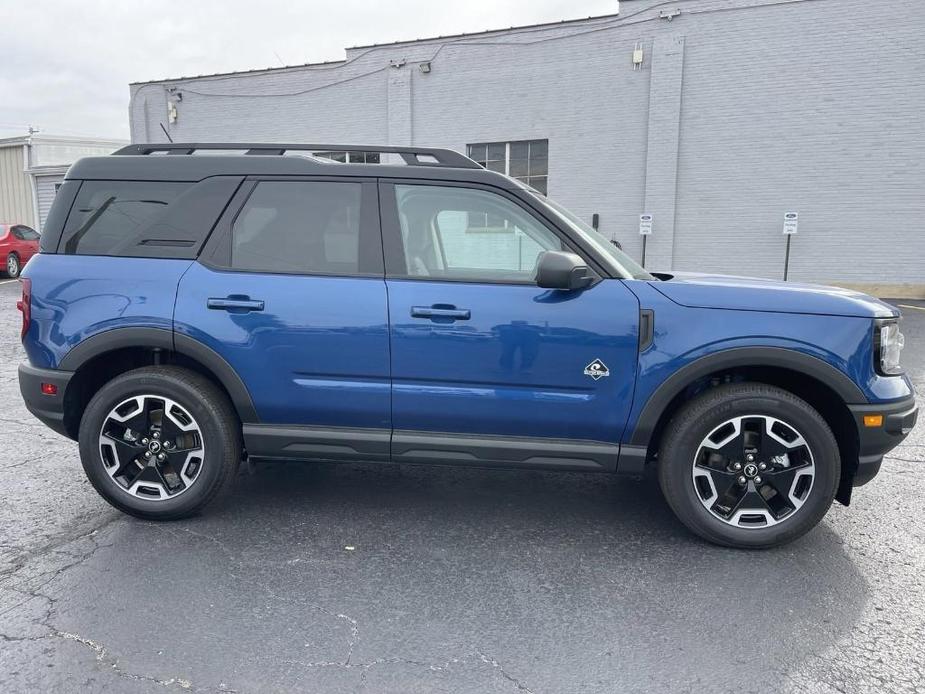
pixel 25 233
pixel 144 218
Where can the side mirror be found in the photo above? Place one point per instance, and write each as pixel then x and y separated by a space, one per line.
pixel 560 270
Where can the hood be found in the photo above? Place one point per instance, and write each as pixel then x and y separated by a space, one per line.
pixel 752 294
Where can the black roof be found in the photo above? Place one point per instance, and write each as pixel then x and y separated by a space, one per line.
pixel 179 162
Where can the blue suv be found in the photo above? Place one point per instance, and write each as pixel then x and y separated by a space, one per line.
pixel 197 305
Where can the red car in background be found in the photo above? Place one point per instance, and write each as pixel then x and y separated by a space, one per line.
pixel 18 243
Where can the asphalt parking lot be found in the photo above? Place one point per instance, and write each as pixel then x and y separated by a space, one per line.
pixel 457 580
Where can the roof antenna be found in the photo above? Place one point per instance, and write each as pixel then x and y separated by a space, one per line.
pixel 169 139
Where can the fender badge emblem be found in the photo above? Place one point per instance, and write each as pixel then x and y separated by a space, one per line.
pixel 597 370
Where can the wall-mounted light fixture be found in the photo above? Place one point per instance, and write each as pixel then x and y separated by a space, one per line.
pixel 174 97
pixel 424 67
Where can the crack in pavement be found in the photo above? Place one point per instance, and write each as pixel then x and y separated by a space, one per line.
pixel 445 666
pixel 32 592
pixel 25 558
pixel 102 656
pixel 905 460
pixel 30 588
pixel 506 675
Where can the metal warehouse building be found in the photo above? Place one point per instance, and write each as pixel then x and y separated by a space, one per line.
pixel 717 117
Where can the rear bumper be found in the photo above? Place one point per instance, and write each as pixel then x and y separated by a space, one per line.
pixel 49 409
pixel 898 419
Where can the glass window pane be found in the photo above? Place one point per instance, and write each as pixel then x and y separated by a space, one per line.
pixel 495 166
pixel 518 167
pixel 538 182
pixel 539 167
pixel 496 151
pixel 478 152
pixel 294 226
pixel 520 150
pixel 333 156
pixel 441 241
pixel 539 149
pixel 372 157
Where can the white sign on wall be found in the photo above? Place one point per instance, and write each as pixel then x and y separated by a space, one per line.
pixel 791 220
pixel 645 224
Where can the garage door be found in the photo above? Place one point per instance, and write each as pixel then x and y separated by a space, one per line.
pixel 46 187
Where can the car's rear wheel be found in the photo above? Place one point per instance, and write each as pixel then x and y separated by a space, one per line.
pixel 159 442
pixel 12 265
pixel 749 465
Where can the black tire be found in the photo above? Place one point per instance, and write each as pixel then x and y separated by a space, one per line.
pixel 11 266
pixel 218 425
pixel 700 418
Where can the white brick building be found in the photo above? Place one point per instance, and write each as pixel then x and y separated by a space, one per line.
pixel 740 111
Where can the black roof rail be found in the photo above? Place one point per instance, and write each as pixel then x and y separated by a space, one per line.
pixel 413 156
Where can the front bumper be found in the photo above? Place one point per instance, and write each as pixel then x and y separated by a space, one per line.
pixel 49 409
pixel 898 419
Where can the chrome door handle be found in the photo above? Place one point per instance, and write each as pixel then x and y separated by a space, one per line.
pixel 235 304
pixel 440 312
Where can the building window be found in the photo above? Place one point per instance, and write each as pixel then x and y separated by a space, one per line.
pixel 525 160
pixel 350 157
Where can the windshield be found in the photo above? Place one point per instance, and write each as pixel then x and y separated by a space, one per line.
pixel 624 265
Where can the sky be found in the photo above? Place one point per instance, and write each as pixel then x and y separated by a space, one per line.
pixel 65 67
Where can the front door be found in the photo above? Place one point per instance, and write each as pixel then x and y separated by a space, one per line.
pixel 486 366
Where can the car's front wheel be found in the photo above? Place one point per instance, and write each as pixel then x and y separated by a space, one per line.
pixel 159 442
pixel 749 465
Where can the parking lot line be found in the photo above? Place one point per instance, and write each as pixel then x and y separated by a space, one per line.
pixel 917 308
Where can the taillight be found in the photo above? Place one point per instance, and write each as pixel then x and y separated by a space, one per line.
pixel 25 305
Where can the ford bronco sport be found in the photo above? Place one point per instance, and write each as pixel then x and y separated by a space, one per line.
pixel 186 312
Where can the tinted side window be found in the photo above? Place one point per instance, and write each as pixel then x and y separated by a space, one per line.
pixel 469 234
pixel 307 227
pixel 108 217
pixel 25 233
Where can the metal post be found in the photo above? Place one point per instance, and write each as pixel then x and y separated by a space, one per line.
pixel 644 238
pixel 787 258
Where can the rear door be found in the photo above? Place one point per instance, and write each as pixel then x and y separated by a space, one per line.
pixel 290 291
pixel 486 366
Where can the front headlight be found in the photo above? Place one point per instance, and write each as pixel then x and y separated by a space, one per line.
pixel 888 345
